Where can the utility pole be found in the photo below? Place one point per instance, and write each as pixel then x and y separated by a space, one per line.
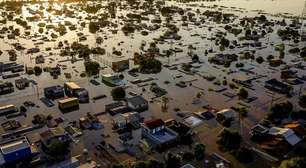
pixel 303 24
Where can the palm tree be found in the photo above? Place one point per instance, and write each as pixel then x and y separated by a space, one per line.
pixel 165 101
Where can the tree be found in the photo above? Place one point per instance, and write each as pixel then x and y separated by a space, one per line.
pixel 93 27
pixel 92 67
pixel 242 93
pixel 244 155
pixel 57 148
pixel 230 140
pixel 39 119
pixel 302 101
pixel 199 151
pixel 165 101
pixel 150 65
pixel 118 93
pixel 187 156
pixel 154 164
pixel 280 111
pixel 260 60
pixel 293 163
pixel 172 161
pixel 195 58
pixel 140 164
pixel 37 70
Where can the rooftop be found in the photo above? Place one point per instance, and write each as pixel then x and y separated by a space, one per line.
pixel 137 100
pixel 14 146
pixel 154 123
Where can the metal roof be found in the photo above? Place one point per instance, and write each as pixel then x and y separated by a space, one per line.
pixel 14 146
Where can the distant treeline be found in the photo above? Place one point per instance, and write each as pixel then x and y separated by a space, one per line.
pixel 19 2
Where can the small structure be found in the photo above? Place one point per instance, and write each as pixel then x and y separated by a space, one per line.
pixel 54 92
pixel 155 132
pixel 275 85
pixel 137 103
pixel 112 79
pixel 225 114
pixel 11 125
pixel 221 59
pixel 57 133
pixel 12 66
pixel 132 118
pixel 193 121
pixel 90 122
pixel 83 95
pixel 22 83
pixel 6 88
pixel 117 108
pixel 73 131
pixel 259 130
pixel 116 63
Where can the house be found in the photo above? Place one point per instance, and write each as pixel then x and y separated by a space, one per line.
pixel 225 114
pixel 221 59
pixel 275 85
pixel 157 135
pixel 243 80
pixel 57 133
pixel 297 128
pixel 16 150
pixel 90 122
pixel 137 103
pixel 286 133
pixel 259 130
pixel 12 66
pixel 54 92
pixel 10 125
pixel 117 108
pixel 132 118
pixel 193 121
pixel 116 63
pixel 22 83
pixel 6 88
pixel 83 95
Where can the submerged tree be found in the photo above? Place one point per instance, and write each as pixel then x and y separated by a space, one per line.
pixel 230 140
pixel 118 93
pixel 92 67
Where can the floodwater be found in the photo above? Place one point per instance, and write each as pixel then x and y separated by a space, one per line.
pixel 182 98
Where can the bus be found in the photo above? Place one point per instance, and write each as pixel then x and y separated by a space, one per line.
pixel 68 103
pixel 71 88
pixel 8 109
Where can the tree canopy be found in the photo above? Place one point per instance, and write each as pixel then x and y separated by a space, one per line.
pixel 230 140
pixel 118 93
